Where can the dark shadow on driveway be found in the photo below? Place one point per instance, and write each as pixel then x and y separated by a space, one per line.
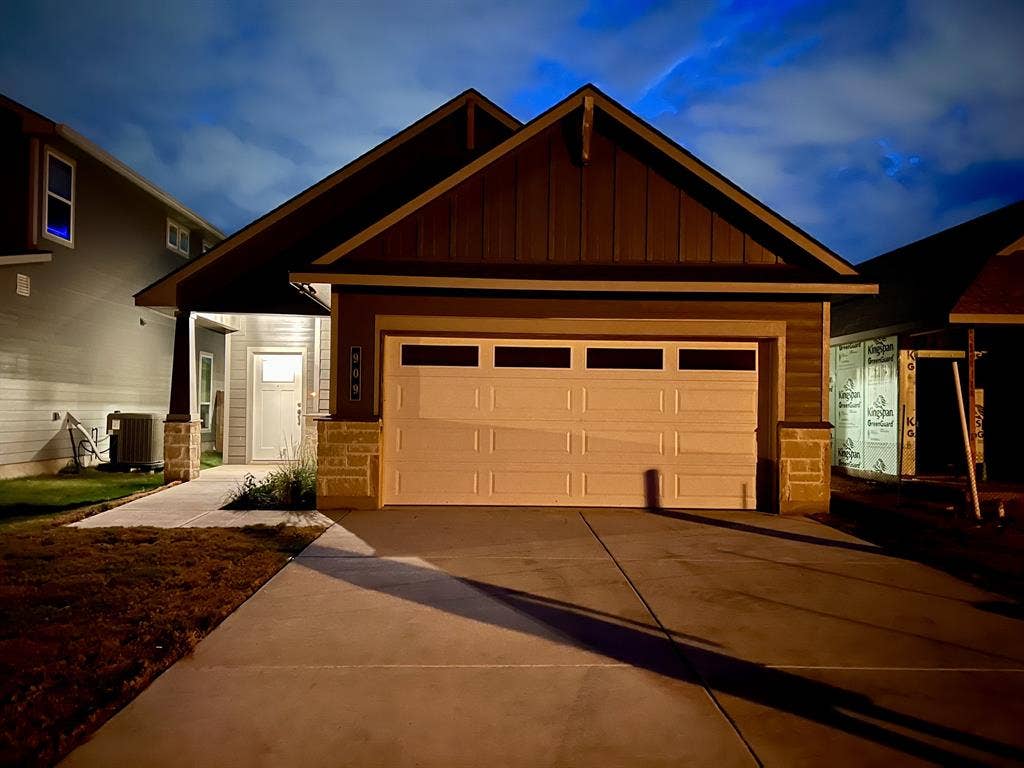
pixel 688 659
pixel 736 525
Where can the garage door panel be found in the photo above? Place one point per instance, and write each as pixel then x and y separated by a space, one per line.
pixel 737 401
pixel 515 484
pixel 613 487
pixel 429 482
pixel 440 436
pixel 436 399
pixel 525 442
pixel 514 398
pixel 614 443
pixel 635 401
pixel 737 489
pixel 721 443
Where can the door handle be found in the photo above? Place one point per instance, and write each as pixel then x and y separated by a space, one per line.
pixel 298 414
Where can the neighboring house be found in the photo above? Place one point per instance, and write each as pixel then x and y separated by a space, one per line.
pixel 80 233
pixel 574 311
pixel 957 296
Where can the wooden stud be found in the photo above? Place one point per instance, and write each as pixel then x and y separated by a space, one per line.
pixel 588 128
pixel 971 396
pixel 826 335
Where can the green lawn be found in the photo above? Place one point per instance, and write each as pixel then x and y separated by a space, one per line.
pixel 25 497
pixel 210 459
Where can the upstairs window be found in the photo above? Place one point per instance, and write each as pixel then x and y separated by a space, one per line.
pixel 59 211
pixel 177 237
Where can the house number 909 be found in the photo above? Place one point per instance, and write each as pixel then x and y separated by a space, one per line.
pixel 355 383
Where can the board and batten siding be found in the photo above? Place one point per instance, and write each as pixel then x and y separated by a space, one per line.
pixel 537 205
pixel 265 331
pixel 78 344
pixel 804 329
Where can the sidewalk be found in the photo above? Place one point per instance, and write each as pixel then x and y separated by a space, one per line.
pixel 198 504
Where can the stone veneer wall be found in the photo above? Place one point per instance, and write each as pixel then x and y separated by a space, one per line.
pixel 348 464
pixel 182 449
pixel 804 467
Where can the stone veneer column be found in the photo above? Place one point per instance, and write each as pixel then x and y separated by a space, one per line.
pixel 804 467
pixel 348 464
pixel 182 449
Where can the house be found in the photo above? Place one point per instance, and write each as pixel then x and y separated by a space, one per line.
pixel 80 233
pixel 574 311
pixel 954 297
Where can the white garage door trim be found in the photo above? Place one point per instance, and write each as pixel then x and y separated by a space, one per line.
pixel 505 432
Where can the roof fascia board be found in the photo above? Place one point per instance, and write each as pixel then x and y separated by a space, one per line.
pixel 74 137
pixel 328 183
pixel 1016 245
pixel 985 319
pixel 581 286
pixel 524 134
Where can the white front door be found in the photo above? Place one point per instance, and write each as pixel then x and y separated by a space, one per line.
pixel 276 405
pixel 570 422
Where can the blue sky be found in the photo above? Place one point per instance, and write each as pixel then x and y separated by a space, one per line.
pixel 870 124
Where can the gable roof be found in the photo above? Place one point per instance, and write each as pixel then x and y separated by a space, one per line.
pixel 643 131
pixel 163 291
pixel 35 123
pixel 997 294
pixel 959 273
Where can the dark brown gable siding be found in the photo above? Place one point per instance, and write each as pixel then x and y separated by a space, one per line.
pixel 803 329
pixel 500 212
pixel 539 205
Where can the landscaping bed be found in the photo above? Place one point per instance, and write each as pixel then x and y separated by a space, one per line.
pixel 989 555
pixel 88 618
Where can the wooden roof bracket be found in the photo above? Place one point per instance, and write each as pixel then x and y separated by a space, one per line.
pixel 588 128
pixel 470 124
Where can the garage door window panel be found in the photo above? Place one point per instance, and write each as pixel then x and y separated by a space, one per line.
pixel 445 355
pixel 717 360
pixel 533 357
pixel 625 359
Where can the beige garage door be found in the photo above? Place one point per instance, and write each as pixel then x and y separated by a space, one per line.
pixel 576 422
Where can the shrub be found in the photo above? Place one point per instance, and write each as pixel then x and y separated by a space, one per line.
pixel 289 486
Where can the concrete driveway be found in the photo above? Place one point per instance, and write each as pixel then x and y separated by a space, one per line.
pixel 534 637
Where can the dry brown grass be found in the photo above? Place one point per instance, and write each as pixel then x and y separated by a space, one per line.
pixel 88 618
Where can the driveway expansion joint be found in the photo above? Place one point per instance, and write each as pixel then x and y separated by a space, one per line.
pixel 678 651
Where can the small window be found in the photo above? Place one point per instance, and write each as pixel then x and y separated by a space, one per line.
pixel 532 357
pixel 441 354
pixel 59 213
pixel 625 358
pixel 717 360
pixel 177 237
pixel 279 369
pixel 205 389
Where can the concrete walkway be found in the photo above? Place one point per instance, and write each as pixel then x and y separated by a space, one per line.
pixel 560 637
pixel 197 504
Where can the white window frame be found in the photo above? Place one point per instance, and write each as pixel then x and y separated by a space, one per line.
pixel 199 395
pixel 51 152
pixel 178 227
